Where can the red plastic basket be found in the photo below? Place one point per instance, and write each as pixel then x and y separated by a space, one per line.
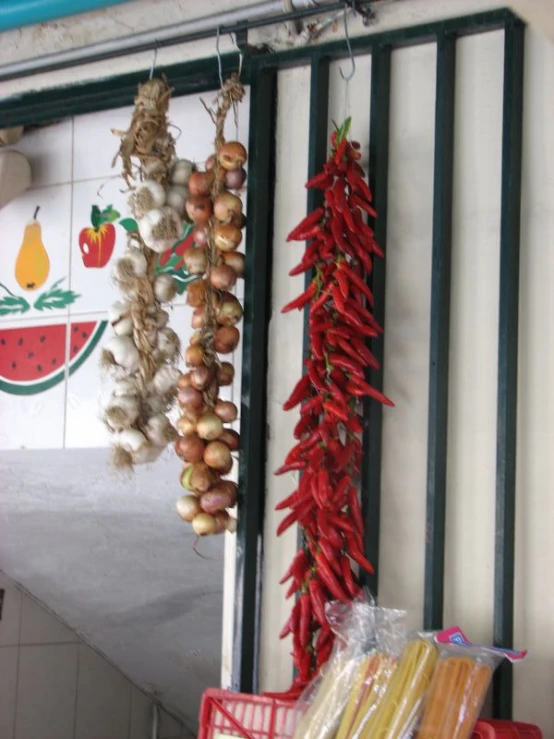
pixel 224 714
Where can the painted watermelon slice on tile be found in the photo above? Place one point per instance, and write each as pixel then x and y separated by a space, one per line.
pixel 33 358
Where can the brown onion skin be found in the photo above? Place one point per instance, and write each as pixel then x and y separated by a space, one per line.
pixel 194 356
pixel 202 477
pixel 229 311
pixel 186 426
pixel 236 260
pixel 200 236
pixel 200 183
pixel 196 260
pixel 227 206
pixel 217 499
pixel 235 178
pixel 226 339
pixel 231 438
pixel 225 374
pixel 202 377
pixel 226 410
pixel 210 163
pixel 232 155
pixel 195 506
pixel 227 237
pixel 239 220
pixel 188 397
pixel 199 209
pixel 217 455
pixel 209 426
pixel 184 381
pixel 204 524
pixel 196 293
pixel 198 317
pixel 223 277
pixel 190 448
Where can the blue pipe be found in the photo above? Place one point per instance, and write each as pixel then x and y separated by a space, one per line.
pixel 17 13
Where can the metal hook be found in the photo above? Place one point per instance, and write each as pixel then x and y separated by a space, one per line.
pixel 345 77
pixel 153 67
pixel 219 67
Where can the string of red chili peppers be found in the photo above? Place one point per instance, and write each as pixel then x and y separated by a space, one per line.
pixel 328 453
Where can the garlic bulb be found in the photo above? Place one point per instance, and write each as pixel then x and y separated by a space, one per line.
pixel 155 404
pixel 148 195
pixel 165 379
pixel 132 447
pixel 119 316
pixel 128 268
pixel 165 288
pixel 160 228
pixel 181 171
pixel 176 197
pixel 122 412
pixel 121 351
pixel 159 431
pixel 168 343
pixel 124 387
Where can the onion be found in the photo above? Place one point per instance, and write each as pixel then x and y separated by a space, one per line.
pixel 226 411
pixel 239 220
pixel 186 474
pixel 227 237
pixel 200 183
pixel 188 507
pixel 194 356
pixel 200 236
pixel 225 374
pixel 202 377
pixel 232 155
pixel 223 277
pixel 199 209
pixel 186 426
pixel 210 163
pixel 204 525
pixel 209 426
pixel 231 438
pixel 196 339
pixel 196 260
pixel 196 293
pixel 229 311
pixel 184 381
pixel 190 448
pixel 235 260
pixel 226 206
pixel 226 339
pixel 217 455
pixel 220 497
pixel 198 317
pixel 235 179
pixel 188 397
pixel 202 477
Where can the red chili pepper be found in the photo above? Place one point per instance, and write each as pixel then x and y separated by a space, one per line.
pixel 359 387
pixel 342 522
pixel 337 229
pixel 314 232
pixel 292 467
pixel 317 345
pixel 305 619
pixel 323 485
pixel 358 183
pixel 310 220
pixel 312 405
pixel 323 655
pixel 325 634
pixel 342 485
pixel 286 630
pixel 315 379
pixel 377 250
pixel 348 577
pixel 344 269
pixel 341 203
pixel 328 578
pixel 365 354
pixel 346 363
pixel 320 181
pixel 297 567
pixel 355 553
pixel 365 315
pixel 287 502
pixel 298 394
pixel 356 201
pixel 318 601
pixel 306 666
pixel 349 220
pixel 305 425
pixel 338 298
pixel 342 280
pixel 354 426
pixel 292 590
pixel 341 148
pixel 301 300
pixel 335 410
pixel 355 509
pixel 287 522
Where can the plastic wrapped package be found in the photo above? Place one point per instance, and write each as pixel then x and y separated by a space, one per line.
pixel 375 672
pixel 400 708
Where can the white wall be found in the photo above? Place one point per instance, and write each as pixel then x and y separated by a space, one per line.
pixel 54 686
pixel 470 515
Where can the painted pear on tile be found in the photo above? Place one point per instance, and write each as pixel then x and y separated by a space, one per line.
pixel 33 264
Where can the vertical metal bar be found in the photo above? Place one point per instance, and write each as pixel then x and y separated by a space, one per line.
pixel 259 235
pixel 373 412
pixel 507 359
pixel 440 332
pixel 317 148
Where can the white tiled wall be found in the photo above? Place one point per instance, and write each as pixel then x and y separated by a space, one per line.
pixel 54 686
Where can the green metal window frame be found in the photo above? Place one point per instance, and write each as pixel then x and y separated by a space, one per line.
pixel 261 71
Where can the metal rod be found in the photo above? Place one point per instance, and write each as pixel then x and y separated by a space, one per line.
pixel 233 21
pixel 257 310
pixel 373 412
pixel 437 442
pixel 506 434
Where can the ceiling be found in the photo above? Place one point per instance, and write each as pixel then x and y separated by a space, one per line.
pixel 110 557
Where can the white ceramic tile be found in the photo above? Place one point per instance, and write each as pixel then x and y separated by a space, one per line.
pixel 8 690
pixel 11 613
pixel 49 153
pixel 103 699
pixel 141 715
pixel 39 626
pixel 15 275
pixel 46 689
pixel 32 383
pixel 86 385
pixel 94 144
pixel 92 281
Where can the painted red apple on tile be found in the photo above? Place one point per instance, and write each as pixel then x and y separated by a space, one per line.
pixel 98 240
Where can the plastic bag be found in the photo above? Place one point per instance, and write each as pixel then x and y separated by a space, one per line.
pixel 459 687
pixel 375 673
pixel 400 707
pixel 321 705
